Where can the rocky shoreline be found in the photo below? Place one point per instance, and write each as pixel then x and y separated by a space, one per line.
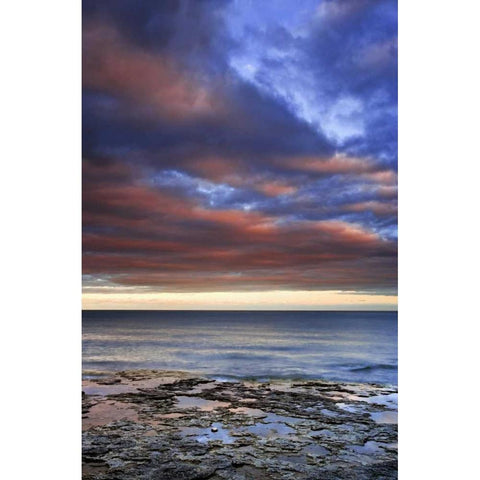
pixel 147 424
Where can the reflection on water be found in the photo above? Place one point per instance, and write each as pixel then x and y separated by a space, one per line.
pixel 316 450
pixel 389 416
pixel 270 430
pixel 369 448
pixel 349 408
pixel 273 425
pixel 106 412
pixel 251 412
pixel 96 389
pixel 204 435
pixel 348 346
pixel 199 403
pixel 390 400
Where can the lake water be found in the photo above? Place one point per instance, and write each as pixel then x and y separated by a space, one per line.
pixel 347 346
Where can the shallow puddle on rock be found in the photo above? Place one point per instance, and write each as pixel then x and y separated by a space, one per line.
pixel 274 425
pixel 390 446
pixel 324 432
pixel 269 430
pixel 200 403
pixel 273 417
pixel 388 416
pixel 315 450
pixel 347 407
pixel 390 400
pixel 204 435
pixel 103 390
pixel 369 448
pixel 345 396
pixel 103 413
pixel 328 413
pixel 253 412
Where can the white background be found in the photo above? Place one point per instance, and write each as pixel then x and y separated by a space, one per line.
pixel 41 239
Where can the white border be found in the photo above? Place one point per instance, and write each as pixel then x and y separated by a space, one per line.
pixel 438 241
pixel 40 198
pixel 40 254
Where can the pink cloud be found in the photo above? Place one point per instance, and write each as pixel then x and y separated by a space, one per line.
pixel 155 80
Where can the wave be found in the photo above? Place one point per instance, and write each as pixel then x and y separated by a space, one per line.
pixel 369 368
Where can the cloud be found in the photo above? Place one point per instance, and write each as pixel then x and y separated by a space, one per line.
pixel 336 69
pixel 152 80
pixel 229 148
pixel 142 235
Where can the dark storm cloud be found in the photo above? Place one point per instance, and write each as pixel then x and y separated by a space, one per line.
pixel 151 23
pixel 257 155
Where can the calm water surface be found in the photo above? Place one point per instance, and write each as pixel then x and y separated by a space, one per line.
pixel 347 346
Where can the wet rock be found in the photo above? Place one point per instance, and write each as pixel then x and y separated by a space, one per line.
pixel 240 430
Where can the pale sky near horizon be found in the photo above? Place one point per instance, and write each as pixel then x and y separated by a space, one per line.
pixel 273 300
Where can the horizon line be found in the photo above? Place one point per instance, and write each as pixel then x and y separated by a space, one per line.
pixel 228 310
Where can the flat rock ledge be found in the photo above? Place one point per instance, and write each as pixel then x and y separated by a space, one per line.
pixel 164 425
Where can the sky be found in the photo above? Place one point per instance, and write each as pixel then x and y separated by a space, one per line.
pixel 239 154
